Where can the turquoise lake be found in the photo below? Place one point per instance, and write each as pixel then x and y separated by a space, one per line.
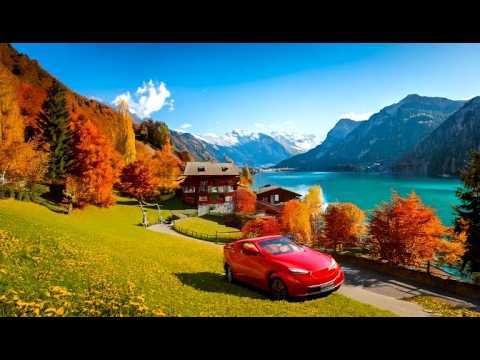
pixel 369 190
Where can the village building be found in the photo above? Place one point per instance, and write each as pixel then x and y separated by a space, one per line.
pixel 275 194
pixel 210 186
pixel 271 198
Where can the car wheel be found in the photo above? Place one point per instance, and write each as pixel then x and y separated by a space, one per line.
pixel 278 289
pixel 229 274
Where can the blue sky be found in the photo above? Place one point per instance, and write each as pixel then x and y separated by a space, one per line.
pixel 306 88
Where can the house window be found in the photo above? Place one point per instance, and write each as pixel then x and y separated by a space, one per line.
pixel 189 189
pixel 203 186
pixel 277 198
pixel 228 188
pixel 202 198
pixel 212 189
pixel 228 198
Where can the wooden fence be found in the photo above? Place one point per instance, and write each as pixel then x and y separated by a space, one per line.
pixel 219 236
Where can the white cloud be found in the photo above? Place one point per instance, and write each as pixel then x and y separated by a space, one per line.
pixel 185 126
pixel 260 125
pixel 356 116
pixel 148 98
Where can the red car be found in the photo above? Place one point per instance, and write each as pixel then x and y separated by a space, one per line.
pixel 281 267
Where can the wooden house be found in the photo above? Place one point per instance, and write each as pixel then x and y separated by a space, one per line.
pixel 210 186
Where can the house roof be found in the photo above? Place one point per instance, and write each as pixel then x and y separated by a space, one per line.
pixel 267 188
pixel 210 168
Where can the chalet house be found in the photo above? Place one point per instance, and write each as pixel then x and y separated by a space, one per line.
pixel 275 194
pixel 210 186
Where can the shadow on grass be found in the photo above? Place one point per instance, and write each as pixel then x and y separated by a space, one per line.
pixel 216 283
pixel 213 282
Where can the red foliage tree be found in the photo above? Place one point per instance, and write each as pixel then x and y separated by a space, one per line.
pixel 405 231
pixel 96 166
pixel 344 225
pixel 245 201
pixel 263 226
pixel 137 180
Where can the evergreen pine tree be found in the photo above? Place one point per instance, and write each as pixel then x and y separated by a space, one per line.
pixel 468 212
pixel 54 121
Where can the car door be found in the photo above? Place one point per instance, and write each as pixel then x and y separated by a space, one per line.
pixel 256 268
pixel 239 263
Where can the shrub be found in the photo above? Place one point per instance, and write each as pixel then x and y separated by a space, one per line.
pixel 261 226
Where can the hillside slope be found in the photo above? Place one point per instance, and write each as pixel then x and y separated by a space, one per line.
pixel 445 150
pixel 31 85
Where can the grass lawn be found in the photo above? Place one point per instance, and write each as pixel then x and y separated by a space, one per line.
pixel 56 255
pixel 198 227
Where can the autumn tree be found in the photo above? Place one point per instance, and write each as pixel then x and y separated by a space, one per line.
pixel 246 179
pixel 451 249
pixel 166 168
pixel 55 124
pixel 468 212
pixel 295 221
pixel 344 225
pixel 128 143
pixel 97 166
pixel 245 201
pixel 11 121
pixel 314 201
pixel 405 231
pixel 262 226
pixel 155 133
pixel 21 163
pixel 137 180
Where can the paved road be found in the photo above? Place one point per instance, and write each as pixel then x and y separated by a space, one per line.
pixel 380 290
pixel 387 292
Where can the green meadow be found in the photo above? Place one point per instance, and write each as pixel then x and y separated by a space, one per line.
pixel 96 260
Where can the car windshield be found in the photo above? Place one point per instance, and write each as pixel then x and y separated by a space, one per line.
pixel 280 246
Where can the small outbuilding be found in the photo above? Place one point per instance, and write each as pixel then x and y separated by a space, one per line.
pixel 275 194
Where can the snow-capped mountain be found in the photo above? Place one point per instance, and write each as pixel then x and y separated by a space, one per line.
pixel 255 149
pixel 235 137
pixel 296 143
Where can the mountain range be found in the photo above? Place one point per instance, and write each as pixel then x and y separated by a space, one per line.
pixel 243 147
pixel 378 143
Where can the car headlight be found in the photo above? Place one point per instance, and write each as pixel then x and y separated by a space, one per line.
pixel 333 264
pixel 298 271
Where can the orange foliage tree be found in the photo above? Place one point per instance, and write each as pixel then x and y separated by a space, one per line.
pixel 295 220
pixel 137 180
pixel 344 225
pixel 246 179
pixel 451 250
pixel 245 201
pixel 405 231
pixel 96 166
pixel 263 226
pixel 165 166
pixel 21 163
